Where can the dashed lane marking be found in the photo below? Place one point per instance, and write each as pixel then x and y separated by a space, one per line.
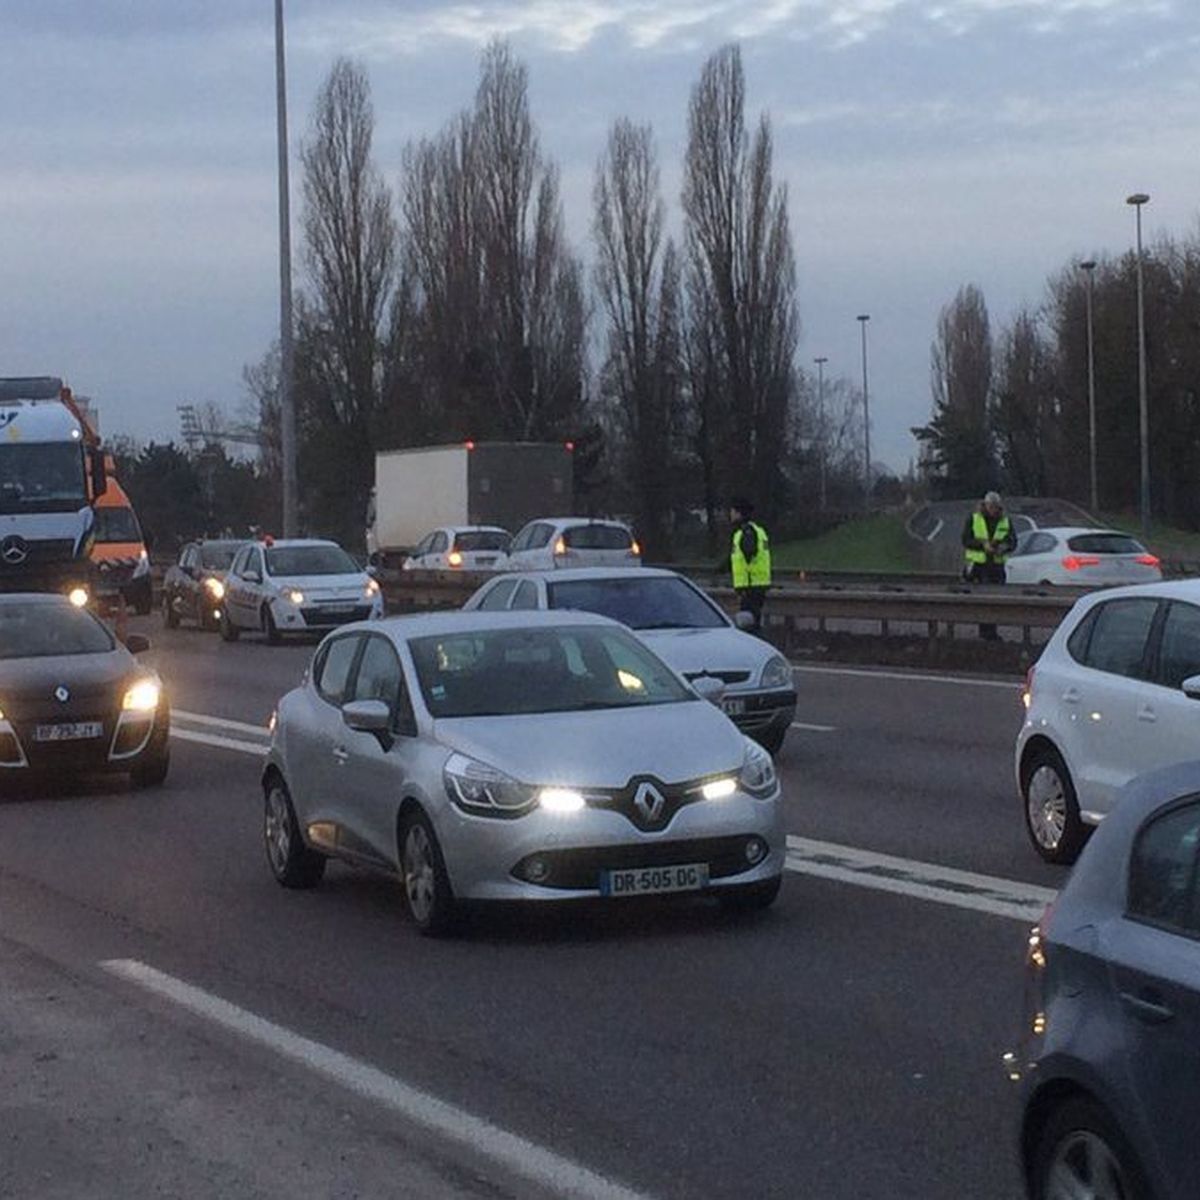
pixel 191 718
pixel 814 728
pixel 219 741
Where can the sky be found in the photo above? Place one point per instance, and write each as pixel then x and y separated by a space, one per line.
pixel 925 144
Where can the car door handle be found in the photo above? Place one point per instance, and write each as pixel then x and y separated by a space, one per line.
pixel 341 754
pixel 1147 1007
pixel 1146 713
pixel 1071 696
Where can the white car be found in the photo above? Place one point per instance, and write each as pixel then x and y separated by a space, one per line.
pixel 1114 694
pixel 460 548
pixel 556 542
pixel 295 586
pixel 682 625
pixel 1079 557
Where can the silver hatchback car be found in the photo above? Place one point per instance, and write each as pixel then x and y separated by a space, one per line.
pixel 516 756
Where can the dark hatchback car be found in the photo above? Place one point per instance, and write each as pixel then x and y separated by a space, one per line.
pixel 194 587
pixel 74 700
pixel 1109 1060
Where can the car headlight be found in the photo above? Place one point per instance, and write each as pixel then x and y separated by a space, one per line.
pixel 478 788
pixel 295 596
pixel 142 697
pixel 757 777
pixel 777 673
pixel 371 589
pixel 143 565
pixel 215 588
pixel 79 597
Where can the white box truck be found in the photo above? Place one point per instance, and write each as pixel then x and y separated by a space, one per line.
pixel 471 483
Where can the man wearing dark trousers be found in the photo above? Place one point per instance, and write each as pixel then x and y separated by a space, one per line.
pixel 749 561
pixel 988 539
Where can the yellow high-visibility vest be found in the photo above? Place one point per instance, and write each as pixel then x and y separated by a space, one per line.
pixel 756 572
pixel 979 529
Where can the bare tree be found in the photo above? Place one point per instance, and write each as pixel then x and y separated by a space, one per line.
pixel 743 322
pixel 637 277
pixel 1024 408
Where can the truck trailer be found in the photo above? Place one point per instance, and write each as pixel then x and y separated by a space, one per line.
pixel 484 483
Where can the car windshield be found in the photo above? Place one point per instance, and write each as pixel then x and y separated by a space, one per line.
pixel 217 556
pixel 39 629
pixel 41 477
pixel 310 560
pixel 656 602
pixel 506 672
pixel 481 539
pixel 1105 543
pixel 117 525
pixel 598 537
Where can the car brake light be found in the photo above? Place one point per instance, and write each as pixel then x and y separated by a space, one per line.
pixel 1027 690
pixel 454 558
pixel 1149 560
pixel 635 550
pixel 1074 561
pixel 560 547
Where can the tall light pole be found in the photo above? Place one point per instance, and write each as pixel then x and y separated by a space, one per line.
pixel 822 447
pixel 287 410
pixel 1088 267
pixel 863 318
pixel 1137 200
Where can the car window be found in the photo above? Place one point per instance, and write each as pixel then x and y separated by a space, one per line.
pixel 1040 543
pixel 1162 870
pixel 1118 641
pixel 525 597
pixel 1077 643
pixel 497 597
pixel 540 536
pixel 43 629
pixel 380 677
pixel 648 602
pixel 311 560
pixel 422 547
pixel 1105 543
pixel 480 539
pixel 252 562
pixel 598 537
pixel 215 556
pixel 1179 648
pixel 439 544
pixel 521 541
pixel 332 674
pixel 238 561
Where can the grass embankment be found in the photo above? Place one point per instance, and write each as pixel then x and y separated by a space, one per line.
pixel 1181 545
pixel 877 543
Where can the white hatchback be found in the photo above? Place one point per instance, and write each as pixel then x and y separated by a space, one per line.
pixel 1115 693
pixel 1078 557
pixel 461 548
pixel 556 542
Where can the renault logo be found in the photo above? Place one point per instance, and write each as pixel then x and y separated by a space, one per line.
pixel 649 801
pixel 14 550
pixel 61 694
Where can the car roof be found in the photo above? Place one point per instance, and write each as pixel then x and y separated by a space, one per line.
pixel 14 598
pixel 577 521
pixel 475 621
pixel 571 574
pixel 472 528
pixel 290 543
pixel 1170 589
pixel 1077 530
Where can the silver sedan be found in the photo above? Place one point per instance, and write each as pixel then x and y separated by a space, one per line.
pixel 516 756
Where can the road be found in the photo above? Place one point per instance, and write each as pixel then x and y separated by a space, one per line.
pixel 846 1044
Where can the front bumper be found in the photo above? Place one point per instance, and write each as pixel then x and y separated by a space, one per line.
pixel 758 712
pixel 295 618
pixel 483 854
pixel 124 739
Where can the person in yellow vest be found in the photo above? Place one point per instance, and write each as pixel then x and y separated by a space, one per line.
pixel 749 561
pixel 988 539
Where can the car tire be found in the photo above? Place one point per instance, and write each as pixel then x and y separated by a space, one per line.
pixel 292 863
pixel 170 616
pixel 427 892
pixel 1078 1140
pixel 270 629
pixel 150 769
pixel 229 631
pixel 1051 808
pixel 750 897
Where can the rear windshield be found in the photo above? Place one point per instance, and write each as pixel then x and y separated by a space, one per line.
pixel 1105 543
pixel 217 556
pixel 481 539
pixel 40 629
pixel 656 602
pixel 310 560
pixel 598 537
pixel 117 525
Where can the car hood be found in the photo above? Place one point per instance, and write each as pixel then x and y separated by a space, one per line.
pixel 690 651
pixel 321 584
pixel 603 748
pixel 33 680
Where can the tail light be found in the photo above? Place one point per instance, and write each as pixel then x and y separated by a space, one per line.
pixel 635 550
pixel 1073 562
pixel 1027 690
pixel 560 547
pixel 1149 560
pixel 454 558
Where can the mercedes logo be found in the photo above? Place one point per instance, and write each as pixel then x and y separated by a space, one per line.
pixel 14 550
pixel 61 694
pixel 649 801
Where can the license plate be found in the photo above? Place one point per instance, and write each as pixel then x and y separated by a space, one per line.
pixel 68 731
pixel 733 707
pixel 485 562
pixel 649 881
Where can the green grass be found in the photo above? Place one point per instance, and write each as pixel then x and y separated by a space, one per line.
pixel 877 543
pixel 1165 540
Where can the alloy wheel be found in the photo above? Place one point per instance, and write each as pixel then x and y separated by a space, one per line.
pixel 278 830
pixel 419 878
pixel 1084 1167
pixel 1046 806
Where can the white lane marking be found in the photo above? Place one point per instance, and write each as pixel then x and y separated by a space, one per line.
pixel 220 722
pixel 524 1158
pixel 814 728
pixel 908 676
pixel 922 880
pixel 221 743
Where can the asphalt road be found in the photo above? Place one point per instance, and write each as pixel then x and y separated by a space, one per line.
pixel 846 1044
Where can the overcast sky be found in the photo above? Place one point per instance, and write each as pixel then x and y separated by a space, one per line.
pixel 925 144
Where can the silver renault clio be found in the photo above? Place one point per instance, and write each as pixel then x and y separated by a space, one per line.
pixel 516 756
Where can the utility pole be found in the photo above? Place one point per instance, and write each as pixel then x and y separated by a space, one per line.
pixel 822 446
pixel 863 318
pixel 287 410
pixel 1137 200
pixel 1088 267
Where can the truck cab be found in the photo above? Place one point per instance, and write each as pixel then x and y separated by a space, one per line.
pixel 119 554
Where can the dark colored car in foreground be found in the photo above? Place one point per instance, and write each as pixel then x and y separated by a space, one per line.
pixel 194 586
pixel 74 700
pixel 1109 1059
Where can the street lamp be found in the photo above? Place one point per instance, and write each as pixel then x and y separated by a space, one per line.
pixel 863 318
pixel 287 410
pixel 1088 267
pixel 822 448
pixel 1137 200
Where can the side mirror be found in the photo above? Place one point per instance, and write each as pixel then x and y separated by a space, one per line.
pixel 710 689
pixel 743 620
pixel 372 570
pixel 139 643
pixel 367 716
pixel 252 576
pixel 1191 687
